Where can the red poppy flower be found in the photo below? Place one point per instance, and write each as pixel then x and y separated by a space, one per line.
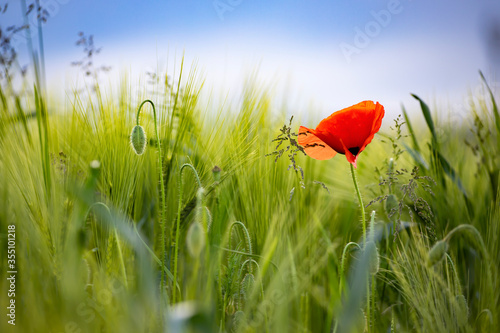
pixel 347 132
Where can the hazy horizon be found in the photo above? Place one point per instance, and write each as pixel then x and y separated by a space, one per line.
pixel 322 53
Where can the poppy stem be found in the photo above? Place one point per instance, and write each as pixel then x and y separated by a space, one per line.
pixel 363 219
pixel 162 189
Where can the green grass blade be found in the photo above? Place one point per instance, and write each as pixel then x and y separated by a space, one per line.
pixel 428 118
pixel 496 114
pixel 410 129
pixel 43 136
pixel 417 157
pixel 21 116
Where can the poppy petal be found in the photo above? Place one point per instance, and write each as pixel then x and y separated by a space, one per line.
pixel 347 132
pixel 377 122
pixel 314 146
pixel 355 125
pixel 350 157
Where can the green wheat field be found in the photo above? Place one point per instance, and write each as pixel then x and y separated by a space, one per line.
pixel 216 229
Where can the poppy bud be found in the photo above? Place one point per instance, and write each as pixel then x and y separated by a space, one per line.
pixel 195 239
pixel 374 260
pixel 371 231
pixel 200 195
pixel 247 285
pixel 216 172
pixel 138 139
pixel 200 216
pixel 437 253
pixel 239 321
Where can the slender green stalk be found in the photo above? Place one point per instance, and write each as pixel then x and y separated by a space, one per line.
pixel 368 307
pixel 342 263
pixel 480 243
pixel 177 227
pixel 43 133
pixel 248 254
pixel 249 262
pixel 162 189
pixel 363 222
pixel 41 48
pixel 372 310
pixel 341 273
pixel 120 254
pixel 30 43
pixel 247 235
pixel 456 280
pixel 122 262
pixel 363 218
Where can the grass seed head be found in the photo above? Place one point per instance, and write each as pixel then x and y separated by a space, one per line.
pixel 391 205
pixel 138 139
pixel 463 314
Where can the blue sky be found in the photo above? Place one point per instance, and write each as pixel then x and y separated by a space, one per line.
pixel 329 54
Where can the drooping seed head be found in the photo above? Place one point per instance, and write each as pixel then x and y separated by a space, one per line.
pixel 437 253
pixel 138 139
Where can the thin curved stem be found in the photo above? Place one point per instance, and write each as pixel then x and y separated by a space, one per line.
pixel 247 235
pixel 247 254
pixel 177 227
pixel 162 185
pixel 249 262
pixel 342 262
pixel 363 218
pixel 456 280
pixel 480 243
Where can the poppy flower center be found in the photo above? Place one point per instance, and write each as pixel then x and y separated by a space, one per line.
pixel 354 150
